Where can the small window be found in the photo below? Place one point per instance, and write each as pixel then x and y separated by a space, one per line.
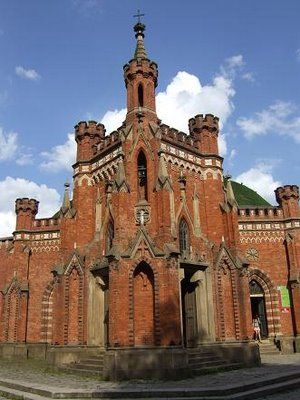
pixel 110 235
pixel 141 95
pixel 183 236
pixel 142 176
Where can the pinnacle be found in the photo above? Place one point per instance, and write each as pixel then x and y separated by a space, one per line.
pixel 140 51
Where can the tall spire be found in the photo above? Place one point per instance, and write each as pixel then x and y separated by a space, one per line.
pixel 140 51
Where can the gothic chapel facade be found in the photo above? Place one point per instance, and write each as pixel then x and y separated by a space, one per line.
pixel 156 253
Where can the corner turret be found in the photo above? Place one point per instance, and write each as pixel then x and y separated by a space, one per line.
pixel 205 130
pixel 288 198
pixel 87 136
pixel 26 210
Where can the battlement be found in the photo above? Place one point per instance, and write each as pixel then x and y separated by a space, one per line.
pixel 202 122
pixel 91 129
pixel 26 210
pixel 26 205
pixel 87 135
pixel 263 213
pixel 205 144
pixel 107 142
pixel 287 192
pixel 288 198
pixel 143 67
pixel 45 224
pixel 177 136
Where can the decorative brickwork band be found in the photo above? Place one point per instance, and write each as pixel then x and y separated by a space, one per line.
pixel 48 312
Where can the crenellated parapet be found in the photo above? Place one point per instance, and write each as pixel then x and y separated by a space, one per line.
pixel 140 68
pixel 26 210
pixel 288 198
pixel 88 135
pixel 287 192
pixel 262 213
pixel 26 205
pixel 204 129
pixel 107 142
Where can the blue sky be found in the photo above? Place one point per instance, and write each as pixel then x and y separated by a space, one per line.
pixel 61 62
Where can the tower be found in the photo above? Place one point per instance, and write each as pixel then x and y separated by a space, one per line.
pixel 140 75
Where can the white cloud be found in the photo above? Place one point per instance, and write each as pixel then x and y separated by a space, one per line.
pixel 60 157
pixel 298 54
pixel 185 97
pixel 232 154
pixel 30 74
pixel 12 188
pixel 260 179
pixel 8 145
pixel 24 159
pixel 280 117
pixel 248 76
pixel 234 62
pixel 113 119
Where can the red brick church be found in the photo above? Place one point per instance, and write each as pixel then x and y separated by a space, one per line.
pixel 157 252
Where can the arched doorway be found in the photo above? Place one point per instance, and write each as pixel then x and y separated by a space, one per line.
pixel 258 306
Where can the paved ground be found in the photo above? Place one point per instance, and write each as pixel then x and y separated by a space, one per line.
pixel 40 374
pixel 293 395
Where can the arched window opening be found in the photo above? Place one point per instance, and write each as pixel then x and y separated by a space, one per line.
pixel 142 176
pixel 141 95
pixel 183 236
pixel 110 235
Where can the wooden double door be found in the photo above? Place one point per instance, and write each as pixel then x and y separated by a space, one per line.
pixel 189 312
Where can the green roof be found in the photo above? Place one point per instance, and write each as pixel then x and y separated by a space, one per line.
pixel 245 196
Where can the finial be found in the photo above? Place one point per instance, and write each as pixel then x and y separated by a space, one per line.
pixel 138 16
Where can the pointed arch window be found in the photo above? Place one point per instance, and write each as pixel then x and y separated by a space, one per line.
pixel 183 236
pixel 110 235
pixel 142 176
pixel 255 288
pixel 141 95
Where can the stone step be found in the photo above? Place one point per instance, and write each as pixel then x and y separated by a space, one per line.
pixel 206 358
pixel 90 367
pixel 199 351
pixel 204 364
pixel 82 370
pixel 193 361
pixel 97 357
pixel 201 370
pixel 91 361
pixel 268 349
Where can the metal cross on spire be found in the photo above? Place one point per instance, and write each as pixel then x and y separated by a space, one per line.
pixel 139 15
